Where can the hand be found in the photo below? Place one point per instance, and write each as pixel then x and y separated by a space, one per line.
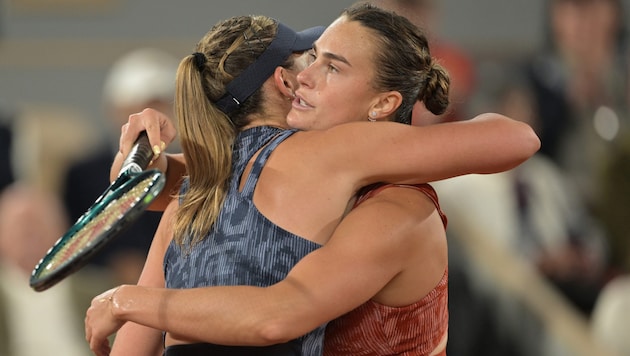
pixel 160 130
pixel 100 322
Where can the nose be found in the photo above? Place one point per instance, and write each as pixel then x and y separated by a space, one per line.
pixel 305 77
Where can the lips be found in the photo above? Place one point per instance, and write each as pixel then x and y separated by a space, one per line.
pixel 303 103
pixel 299 101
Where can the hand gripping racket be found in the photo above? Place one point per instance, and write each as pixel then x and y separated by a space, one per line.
pixel 120 204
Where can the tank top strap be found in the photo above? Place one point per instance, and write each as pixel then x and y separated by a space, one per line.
pixel 259 163
pixel 373 189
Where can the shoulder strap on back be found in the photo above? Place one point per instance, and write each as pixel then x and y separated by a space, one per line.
pixel 259 163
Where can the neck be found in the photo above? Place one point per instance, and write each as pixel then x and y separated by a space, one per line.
pixel 273 121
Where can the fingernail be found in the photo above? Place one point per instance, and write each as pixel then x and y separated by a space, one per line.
pixel 156 150
pixel 162 145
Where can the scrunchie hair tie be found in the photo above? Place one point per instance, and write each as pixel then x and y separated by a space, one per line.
pixel 199 60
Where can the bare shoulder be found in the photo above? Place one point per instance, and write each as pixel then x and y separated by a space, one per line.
pixel 411 217
pixel 404 217
pixel 417 237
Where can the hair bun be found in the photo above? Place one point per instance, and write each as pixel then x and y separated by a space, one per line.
pixel 435 96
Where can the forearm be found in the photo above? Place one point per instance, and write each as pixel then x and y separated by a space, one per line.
pixel 138 340
pixel 489 143
pixel 236 315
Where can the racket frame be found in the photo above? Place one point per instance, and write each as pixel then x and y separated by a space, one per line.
pixel 131 174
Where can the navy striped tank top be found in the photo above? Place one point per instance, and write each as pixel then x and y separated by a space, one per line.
pixel 243 247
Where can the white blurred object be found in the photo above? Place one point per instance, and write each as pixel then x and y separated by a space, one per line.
pixel 141 76
pixel 610 320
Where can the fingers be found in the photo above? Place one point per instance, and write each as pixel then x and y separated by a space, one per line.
pixel 99 346
pixel 159 127
pixel 97 323
pixel 101 349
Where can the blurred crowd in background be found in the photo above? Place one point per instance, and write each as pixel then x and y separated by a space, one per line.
pixel 539 255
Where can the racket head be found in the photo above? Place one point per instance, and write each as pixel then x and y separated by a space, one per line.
pixel 106 218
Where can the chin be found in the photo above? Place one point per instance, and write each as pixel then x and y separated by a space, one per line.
pixel 296 122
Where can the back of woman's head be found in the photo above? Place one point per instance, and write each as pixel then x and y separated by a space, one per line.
pixel 220 56
pixel 207 131
pixel 403 61
pixel 218 93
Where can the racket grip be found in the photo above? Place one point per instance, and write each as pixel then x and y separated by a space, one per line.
pixel 140 155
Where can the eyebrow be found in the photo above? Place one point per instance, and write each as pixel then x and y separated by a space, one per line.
pixel 332 56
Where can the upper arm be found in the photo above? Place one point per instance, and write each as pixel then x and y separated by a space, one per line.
pixel 397 153
pixel 369 248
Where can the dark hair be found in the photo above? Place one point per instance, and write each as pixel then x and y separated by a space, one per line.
pixel 403 61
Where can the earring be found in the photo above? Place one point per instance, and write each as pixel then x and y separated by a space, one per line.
pixel 371 116
pixel 289 94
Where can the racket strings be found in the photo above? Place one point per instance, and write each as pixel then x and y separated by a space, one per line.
pixel 101 223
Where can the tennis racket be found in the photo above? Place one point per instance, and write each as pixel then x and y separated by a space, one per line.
pixel 120 204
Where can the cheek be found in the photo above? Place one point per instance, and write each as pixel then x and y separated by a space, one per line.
pixel 337 114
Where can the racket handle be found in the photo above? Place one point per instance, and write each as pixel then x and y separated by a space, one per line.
pixel 140 155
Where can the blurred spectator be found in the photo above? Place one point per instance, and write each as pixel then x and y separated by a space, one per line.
pixel 580 82
pixel 556 230
pixel 43 140
pixel 611 317
pixel 32 323
pixel 460 65
pixel 534 212
pixel 582 68
pixel 142 78
pixel 615 207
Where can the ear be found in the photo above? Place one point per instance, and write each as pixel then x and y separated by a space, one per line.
pixel 385 105
pixel 282 79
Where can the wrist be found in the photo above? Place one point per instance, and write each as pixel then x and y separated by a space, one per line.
pixel 161 163
pixel 115 302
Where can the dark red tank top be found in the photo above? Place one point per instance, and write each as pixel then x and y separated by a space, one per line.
pixel 376 329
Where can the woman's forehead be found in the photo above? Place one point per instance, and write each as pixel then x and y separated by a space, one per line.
pixel 349 39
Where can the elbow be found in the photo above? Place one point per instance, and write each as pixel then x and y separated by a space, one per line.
pixel 521 135
pixel 531 142
pixel 524 146
pixel 522 139
pixel 276 332
pixel 518 140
